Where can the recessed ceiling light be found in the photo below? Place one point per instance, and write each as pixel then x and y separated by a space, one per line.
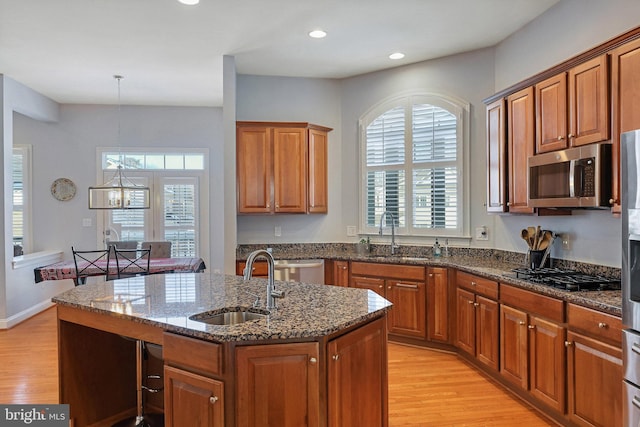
pixel 396 55
pixel 317 34
pixel 189 2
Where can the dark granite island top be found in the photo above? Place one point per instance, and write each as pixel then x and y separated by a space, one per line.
pixel 294 367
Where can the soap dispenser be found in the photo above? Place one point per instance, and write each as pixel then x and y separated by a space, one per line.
pixel 436 249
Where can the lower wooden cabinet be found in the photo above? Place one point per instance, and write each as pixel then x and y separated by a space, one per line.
pixel 192 400
pixel 438 304
pixel 341 273
pixel 278 385
pixel 356 380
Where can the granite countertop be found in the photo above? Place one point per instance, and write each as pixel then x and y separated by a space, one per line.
pixel 168 301
pixel 492 264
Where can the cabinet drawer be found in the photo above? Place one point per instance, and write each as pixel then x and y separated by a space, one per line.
pixel 595 323
pixel 394 271
pixel 532 302
pixel 197 355
pixel 477 284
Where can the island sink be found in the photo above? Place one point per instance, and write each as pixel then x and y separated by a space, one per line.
pixel 230 317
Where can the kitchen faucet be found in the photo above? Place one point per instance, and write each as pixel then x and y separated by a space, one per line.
pixel 393 230
pixel 272 294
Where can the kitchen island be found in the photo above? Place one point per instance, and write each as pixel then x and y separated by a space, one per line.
pixel 319 359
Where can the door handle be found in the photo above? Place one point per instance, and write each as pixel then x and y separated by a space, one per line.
pixel 404 285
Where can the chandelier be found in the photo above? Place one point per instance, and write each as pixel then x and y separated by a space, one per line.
pixel 119 192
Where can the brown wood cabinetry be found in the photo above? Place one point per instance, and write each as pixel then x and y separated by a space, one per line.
pixel 625 97
pixel 260 268
pixel 278 385
pixel 192 399
pixel 437 304
pixel 477 318
pixel 520 145
pixel 532 354
pixel 357 378
pixel 594 367
pixel 339 273
pixel 496 157
pixel 281 167
pixel 405 287
pixel 572 108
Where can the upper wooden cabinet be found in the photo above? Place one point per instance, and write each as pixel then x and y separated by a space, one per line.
pixel 281 167
pixel 625 71
pixel 520 144
pixel 496 157
pixel 572 108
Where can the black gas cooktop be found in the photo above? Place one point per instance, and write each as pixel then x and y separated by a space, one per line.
pixel 567 280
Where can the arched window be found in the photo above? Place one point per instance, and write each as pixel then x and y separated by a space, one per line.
pixel 413 160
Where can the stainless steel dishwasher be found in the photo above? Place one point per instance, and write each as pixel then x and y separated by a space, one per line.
pixel 300 270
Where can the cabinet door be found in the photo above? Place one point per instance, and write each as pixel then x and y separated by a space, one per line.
pixel 437 304
pixel 192 400
pixel 290 170
pixel 407 317
pixel 254 169
pixel 595 382
pixel 496 157
pixel 520 144
pixel 465 321
pixel 589 102
pixel 318 168
pixel 341 273
pixel 513 346
pixel 551 114
pixel 357 377
pixel 277 385
pixel 547 362
pixel 375 284
pixel 625 71
pixel 487 326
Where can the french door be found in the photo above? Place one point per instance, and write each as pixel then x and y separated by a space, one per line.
pixel 173 216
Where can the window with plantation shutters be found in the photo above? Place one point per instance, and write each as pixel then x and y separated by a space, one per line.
pixel 412 161
pixel 21 196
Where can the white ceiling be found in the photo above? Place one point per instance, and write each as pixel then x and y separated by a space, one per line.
pixel 171 54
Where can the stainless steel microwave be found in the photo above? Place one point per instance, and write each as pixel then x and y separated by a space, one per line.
pixel 578 177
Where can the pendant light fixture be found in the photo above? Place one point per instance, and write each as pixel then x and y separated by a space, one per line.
pixel 119 192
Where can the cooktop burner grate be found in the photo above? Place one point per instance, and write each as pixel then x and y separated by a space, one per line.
pixel 568 280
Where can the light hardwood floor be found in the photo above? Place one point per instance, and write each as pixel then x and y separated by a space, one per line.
pixel 426 388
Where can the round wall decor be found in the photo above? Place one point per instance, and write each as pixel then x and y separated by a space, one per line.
pixel 63 189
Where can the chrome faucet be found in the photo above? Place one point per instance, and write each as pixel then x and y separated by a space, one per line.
pixel 272 294
pixel 393 229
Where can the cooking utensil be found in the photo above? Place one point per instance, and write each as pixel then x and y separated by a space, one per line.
pixel 546 252
pixel 536 239
pixel 545 240
pixel 532 233
pixel 525 236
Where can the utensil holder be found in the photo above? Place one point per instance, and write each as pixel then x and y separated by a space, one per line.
pixel 535 259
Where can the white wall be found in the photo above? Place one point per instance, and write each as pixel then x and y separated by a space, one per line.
pixel 315 101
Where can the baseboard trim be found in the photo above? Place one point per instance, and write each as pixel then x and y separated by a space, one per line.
pixel 25 314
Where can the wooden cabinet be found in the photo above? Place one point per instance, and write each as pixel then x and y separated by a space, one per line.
pixel 532 354
pixel 192 399
pixel 496 157
pixel 594 367
pixel 260 268
pixel 281 167
pixel 437 304
pixel 520 145
pixel 340 273
pixel 357 378
pixel 405 287
pixel 278 385
pixel 572 108
pixel 477 318
pixel 625 97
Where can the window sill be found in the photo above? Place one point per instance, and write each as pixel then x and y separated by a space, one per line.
pixel 36 259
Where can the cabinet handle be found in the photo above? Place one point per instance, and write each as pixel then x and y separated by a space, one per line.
pixel 560 138
pixel 404 285
pixel 636 402
pixel 389 287
pixel 531 327
pixel 473 283
pixel 508 203
pixel 344 267
pixel 213 399
pixel 277 206
pixel 335 357
pixel 268 206
pixel 602 325
pixel 313 360
pixel 571 135
pixel 470 302
pixel 568 343
pixel 635 347
pixel 430 274
pixel 521 323
pixel 612 201
pixel 380 287
pixel 476 304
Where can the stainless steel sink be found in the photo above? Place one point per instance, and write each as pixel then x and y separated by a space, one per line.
pixel 230 317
